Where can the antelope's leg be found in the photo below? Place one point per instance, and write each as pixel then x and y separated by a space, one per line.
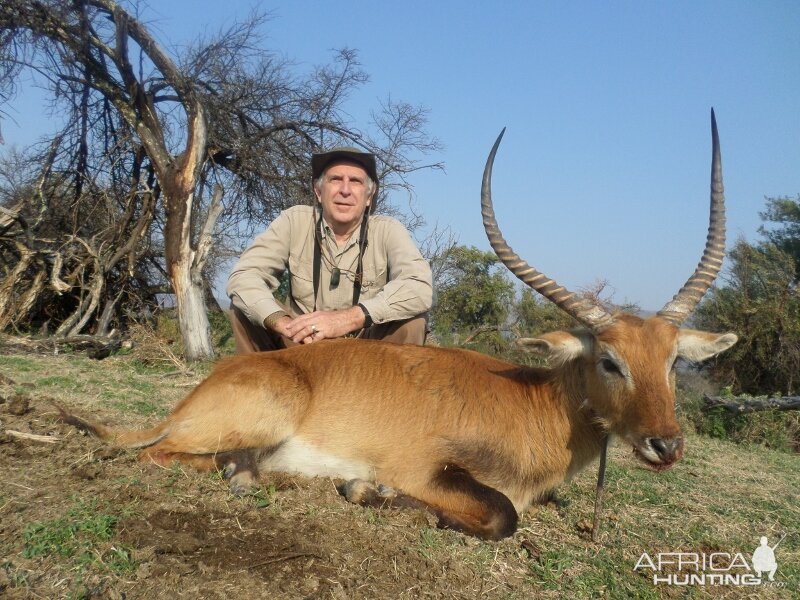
pixel 241 468
pixel 238 466
pixel 201 462
pixel 459 501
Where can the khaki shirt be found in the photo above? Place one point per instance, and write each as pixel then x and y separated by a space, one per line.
pixel 396 283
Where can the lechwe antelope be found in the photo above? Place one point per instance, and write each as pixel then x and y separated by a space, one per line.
pixel 473 439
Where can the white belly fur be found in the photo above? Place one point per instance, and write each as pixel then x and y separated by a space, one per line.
pixel 298 456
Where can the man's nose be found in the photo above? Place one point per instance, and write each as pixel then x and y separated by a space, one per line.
pixel 345 189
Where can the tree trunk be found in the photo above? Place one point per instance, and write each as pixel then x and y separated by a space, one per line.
pixel 184 263
pixel 186 280
pixel 192 314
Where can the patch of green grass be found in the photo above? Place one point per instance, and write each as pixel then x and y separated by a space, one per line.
pixel 17 577
pixel 140 367
pixel 133 383
pixel 260 496
pixel 145 408
pixel 721 497
pixel 129 480
pixel 133 394
pixel 61 382
pixel 19 364
pixel 176 473
pixel 82 535
pixel 430 541
pixel 480 558
pixel 602 574
pixel 548 570
pixel 375 517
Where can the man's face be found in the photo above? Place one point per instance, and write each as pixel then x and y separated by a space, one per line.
pixel 344 195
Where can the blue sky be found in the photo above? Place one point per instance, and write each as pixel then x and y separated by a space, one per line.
pixel 604 169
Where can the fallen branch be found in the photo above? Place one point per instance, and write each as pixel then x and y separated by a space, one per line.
pixel 47 439
pixel 742 405
pixel 98 347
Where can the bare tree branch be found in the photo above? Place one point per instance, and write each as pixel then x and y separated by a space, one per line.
pixel 742 404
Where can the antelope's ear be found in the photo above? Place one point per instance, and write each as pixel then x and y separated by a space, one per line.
pixel 558 347
pixel 698 346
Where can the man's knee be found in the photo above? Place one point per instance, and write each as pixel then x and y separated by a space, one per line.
pixel 249 337
pixel 409 331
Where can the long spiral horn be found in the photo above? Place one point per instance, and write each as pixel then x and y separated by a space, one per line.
pixel 686 300
pixel 588 313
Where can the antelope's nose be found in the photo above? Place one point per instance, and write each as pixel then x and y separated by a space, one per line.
pixel 668 449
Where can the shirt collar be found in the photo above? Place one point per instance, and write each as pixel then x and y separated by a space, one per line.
pixel 327 232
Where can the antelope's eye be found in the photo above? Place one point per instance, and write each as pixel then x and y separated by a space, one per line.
pixel 609 366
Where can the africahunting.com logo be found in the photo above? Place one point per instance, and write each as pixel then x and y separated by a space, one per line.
pixel 713 568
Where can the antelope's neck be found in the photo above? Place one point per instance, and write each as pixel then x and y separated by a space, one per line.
pixel 584 432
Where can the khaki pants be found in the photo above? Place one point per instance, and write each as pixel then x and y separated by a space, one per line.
pixel 253 338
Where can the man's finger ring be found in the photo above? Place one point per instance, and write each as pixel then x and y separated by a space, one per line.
pixel 314 329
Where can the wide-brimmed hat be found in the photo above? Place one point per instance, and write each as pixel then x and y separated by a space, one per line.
pixel 320 161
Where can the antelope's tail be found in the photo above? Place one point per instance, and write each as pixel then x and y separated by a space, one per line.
pixel 130 438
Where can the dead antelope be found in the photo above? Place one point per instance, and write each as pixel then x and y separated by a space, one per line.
pixel 473 439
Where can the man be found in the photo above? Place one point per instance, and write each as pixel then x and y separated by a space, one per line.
pixel 350 273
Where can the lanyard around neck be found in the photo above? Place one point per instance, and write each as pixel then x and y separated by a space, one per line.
pixel 362 244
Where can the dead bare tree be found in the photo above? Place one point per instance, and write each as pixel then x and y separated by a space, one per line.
pixel 71 244
pixel 224 114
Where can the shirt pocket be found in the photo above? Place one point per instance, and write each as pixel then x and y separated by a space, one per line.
pixel 301 280
pixel 375 277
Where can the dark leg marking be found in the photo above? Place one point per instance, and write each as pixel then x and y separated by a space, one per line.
pixel 241 469
pixel 482 510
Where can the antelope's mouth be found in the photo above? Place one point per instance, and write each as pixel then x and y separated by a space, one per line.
pixel 654 465
pixel 657 454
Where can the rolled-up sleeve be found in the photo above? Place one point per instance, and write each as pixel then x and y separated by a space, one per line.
pixel 409 289
pixel 257 274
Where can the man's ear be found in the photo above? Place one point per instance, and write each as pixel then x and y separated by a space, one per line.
pixel 559 347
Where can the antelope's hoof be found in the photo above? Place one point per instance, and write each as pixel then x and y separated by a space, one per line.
pixel 241 483
pixel 357 491
pixel 384 491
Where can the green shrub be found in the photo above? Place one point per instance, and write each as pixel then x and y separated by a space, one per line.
pixel 774 429
pixel 221 333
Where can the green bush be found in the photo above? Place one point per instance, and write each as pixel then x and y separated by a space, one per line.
pixel 221 333
pixel 760 302
pixel 774 429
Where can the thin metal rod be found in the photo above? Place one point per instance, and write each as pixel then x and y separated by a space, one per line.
pixel 601 480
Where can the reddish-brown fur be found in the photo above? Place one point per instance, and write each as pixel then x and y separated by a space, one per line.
pixel 472 438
